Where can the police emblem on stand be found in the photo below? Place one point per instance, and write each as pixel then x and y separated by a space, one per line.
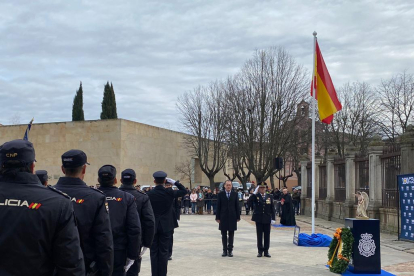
pixel 366 245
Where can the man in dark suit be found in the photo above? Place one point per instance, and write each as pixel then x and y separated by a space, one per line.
pixel 227 215
pixel 263 215
pixel 161 201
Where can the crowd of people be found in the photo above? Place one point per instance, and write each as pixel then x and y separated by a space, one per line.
pixel 75 229
pixel 204 200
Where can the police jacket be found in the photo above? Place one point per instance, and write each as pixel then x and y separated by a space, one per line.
pixel 126 226
pixel 263 210
pixel 161 202
pixel 93 222
pixel 146 215
pixel 38 233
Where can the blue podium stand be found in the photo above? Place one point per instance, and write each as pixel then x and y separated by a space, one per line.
pixel 366 255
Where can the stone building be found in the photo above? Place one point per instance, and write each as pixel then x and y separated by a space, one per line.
pixel 122 143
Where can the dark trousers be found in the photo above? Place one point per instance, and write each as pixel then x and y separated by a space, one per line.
pixel 214 207
pixel 263 229
pixel 120 257
pixel 227 242
pixel 170 248
pixel 135 268
pixel 159 253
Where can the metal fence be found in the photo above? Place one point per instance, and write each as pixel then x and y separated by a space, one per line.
pixel 339 179
pixel 322 181
pixel 361 175
pixel 390 168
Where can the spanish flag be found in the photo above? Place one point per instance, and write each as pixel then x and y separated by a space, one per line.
pixel 328 103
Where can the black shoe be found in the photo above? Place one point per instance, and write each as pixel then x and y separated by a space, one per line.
pixel 266 254
pixel 230 254
pixel 259 255
pixel 224 253
pixel 170 258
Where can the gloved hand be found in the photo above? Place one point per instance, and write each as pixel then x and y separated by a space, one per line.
pixel 256 190
pixel 129 263
pixel 272 222
pixel 171 181
pixel 143 251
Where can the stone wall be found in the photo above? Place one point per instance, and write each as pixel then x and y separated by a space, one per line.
pixel 122 143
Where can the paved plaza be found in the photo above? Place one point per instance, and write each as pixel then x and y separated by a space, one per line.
pixel 197 251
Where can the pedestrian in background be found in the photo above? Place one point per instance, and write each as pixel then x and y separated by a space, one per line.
pixel 200 202
pixel 193 198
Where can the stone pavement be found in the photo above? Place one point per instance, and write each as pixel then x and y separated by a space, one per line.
pixel 197 251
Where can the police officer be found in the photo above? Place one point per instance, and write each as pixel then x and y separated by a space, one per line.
pixel 38 234
pixel 125 223
pixel 91 210
pixel 146 215
pixel 42 175
pixel 176 218
pixel 161 201
pixel 263 215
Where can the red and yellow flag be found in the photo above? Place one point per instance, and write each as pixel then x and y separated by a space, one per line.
pixel 328 103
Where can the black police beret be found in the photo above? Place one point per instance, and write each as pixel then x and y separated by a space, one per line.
pixel 107 172
pixel 17 150
pixel 42 174
pixel 159 174
pixel 74 158
pixel 128 176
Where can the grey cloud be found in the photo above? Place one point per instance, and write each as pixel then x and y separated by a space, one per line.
pixel 153 51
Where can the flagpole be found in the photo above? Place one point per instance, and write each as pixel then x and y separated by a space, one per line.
pixel 313 132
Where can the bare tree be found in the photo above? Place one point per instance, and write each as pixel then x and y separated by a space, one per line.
pixel 357 122
pixel 396 105
pixel 15 119
pixel 186 170
pixel 204 118
pixel 263 100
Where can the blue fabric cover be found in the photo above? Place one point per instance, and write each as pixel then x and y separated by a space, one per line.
pixel 314 240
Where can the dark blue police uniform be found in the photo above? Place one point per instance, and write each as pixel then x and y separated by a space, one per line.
pixel 161 201
pixel 92 215
pixel 145 213
pixel 125 223
pixel 263 214
pixel 42 175
pixel 38 234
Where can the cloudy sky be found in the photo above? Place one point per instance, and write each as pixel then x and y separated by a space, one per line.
pixel 153 51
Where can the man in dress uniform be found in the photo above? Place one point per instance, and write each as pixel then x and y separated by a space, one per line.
pixel 176 218
pixel 146 215
pixel 125 223
pixel 91 210
pixel 161 201
pixel 227 215
pixel 263 215
pixel 38 234
pixel 42 175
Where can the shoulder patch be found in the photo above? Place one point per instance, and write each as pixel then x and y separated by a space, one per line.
pixel 58 191
pixel 97 190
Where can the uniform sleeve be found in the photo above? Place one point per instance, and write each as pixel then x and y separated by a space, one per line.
pixel 133 226
pixel 102 235
pixel 237 208
pixel 67 253
pixel 218 208
pixel 147 223
pixel 182 191
pixel 272 209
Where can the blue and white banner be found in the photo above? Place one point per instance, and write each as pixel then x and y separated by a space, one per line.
pixel 406 191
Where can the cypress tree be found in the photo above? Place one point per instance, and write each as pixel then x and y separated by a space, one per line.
pixel 109 103
pixel 77 108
